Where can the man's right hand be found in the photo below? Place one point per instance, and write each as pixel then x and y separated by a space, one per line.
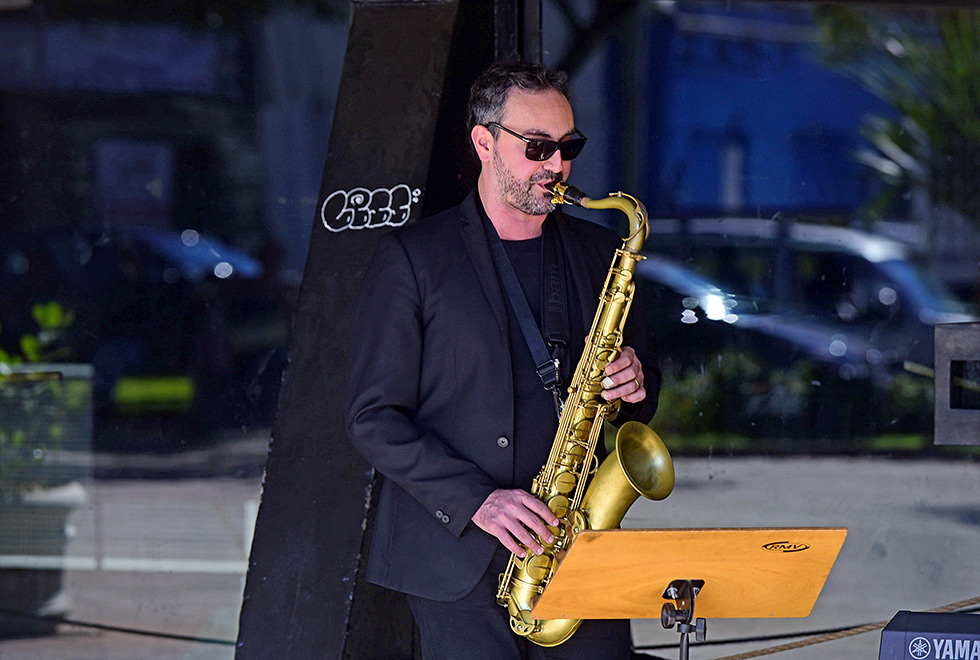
pixel 510 514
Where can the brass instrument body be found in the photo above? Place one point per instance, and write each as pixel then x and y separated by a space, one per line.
pixel 640 464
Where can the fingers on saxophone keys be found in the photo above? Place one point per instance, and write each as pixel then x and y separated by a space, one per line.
pixel 530 534
pixel 622 361
pixel 541 509
pixel 525 539
pixel 631 390
pixel 512 538
pixel 511 544
pixel 636 395
pixel 536 526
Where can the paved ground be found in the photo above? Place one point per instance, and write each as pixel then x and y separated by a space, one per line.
pixel 168 555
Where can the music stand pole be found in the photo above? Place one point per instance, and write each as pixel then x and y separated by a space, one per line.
pixel 681 612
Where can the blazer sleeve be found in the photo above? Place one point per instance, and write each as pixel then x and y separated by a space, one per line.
pixel 383 395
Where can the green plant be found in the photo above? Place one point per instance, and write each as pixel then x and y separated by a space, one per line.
pixel 690 402
pixel 34 405
pixel 48 343
pixel 728 388
pixel 926 66
pixel 31 430
pixel 909 403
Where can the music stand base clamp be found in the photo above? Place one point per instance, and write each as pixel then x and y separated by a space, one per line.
pixel 681 612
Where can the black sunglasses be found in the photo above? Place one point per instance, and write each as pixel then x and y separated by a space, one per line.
pixel 541 149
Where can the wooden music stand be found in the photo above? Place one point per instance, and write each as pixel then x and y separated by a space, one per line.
pixel 731 573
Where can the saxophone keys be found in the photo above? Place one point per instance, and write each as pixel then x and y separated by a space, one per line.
pixel 575 524
pixel 559 503
pixel 564 484
pixel 538 567
pixel 523 624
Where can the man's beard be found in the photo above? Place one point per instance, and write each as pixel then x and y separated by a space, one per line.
pixel 525 196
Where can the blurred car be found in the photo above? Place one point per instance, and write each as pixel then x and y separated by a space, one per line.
pixel 731 364
pixel 168 319
pixel 793 329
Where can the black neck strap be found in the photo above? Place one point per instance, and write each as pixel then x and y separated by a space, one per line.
pixel 547 362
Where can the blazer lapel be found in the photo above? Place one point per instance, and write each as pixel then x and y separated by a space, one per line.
pixel 474 240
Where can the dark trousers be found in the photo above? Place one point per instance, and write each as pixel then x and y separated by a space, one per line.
pixel 476 628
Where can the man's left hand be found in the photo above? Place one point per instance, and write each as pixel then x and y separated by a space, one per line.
pixel 624 378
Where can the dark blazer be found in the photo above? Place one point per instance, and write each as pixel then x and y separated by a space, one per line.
pixel 431 391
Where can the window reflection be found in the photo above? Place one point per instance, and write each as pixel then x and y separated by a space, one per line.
pixel 158 179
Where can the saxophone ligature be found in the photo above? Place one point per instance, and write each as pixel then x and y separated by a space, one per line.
pixel 581 495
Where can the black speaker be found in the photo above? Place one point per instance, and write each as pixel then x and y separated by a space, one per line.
pixel 922 635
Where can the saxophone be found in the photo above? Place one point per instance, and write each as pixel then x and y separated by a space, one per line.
pixel 640 465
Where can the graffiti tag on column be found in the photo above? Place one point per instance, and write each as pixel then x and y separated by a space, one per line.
pixel 361 208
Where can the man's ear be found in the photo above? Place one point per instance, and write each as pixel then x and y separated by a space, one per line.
pixel 482 142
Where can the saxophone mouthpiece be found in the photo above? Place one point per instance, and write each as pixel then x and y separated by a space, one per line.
pixel 566 194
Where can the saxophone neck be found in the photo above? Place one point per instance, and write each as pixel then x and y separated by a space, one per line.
pixel 635 212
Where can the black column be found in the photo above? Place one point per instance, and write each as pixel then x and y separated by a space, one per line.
pixel 485 32
pixel 308 539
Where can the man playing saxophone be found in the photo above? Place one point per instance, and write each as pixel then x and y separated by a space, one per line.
pixel 446 400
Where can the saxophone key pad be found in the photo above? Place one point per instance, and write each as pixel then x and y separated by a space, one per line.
pixel 538 567
pixel 559 505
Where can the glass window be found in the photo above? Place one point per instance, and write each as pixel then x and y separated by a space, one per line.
pixel 160 168
pixel 808 399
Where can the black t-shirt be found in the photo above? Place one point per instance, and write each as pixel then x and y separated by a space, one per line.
pixel 535 420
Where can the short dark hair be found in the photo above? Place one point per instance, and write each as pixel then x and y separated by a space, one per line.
pixel 489 92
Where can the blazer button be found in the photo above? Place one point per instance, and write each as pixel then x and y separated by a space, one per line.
pixel 445 519
pixel 502 441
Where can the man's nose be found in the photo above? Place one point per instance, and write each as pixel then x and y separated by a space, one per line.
pixel 554 164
